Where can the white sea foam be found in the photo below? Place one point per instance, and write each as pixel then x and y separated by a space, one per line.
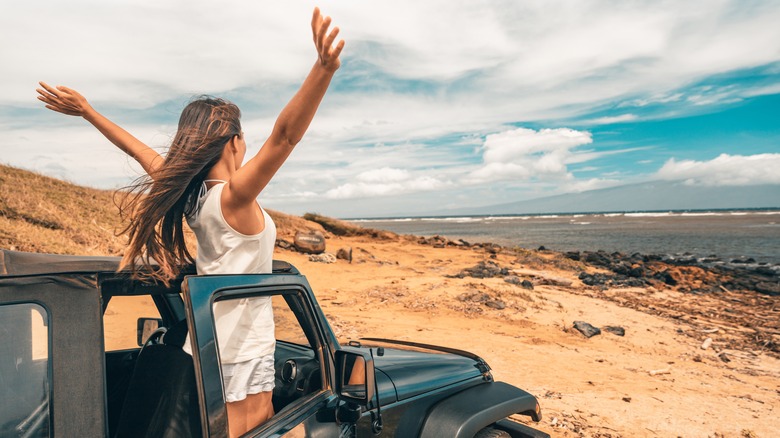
pixel 655 214
pixel 506 218
pixel 702 214
pixel 401 219
pixel 459 220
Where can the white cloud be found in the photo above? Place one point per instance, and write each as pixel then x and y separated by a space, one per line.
pixel 543 156
pixel 522 154
pixel 611 119
pixel 590 184
pixel 725 170
pixel 400 182
pixel 655 98
pixel 521 55
pixel 762 90
pixel 498 172
pixel 414 72
pixel 384 175
pixel 520 142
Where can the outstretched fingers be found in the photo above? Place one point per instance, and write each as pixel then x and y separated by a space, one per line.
pixel 334 54
pixel 58 99
pixel 316 19
pixel 323 40
pixel 48 87
pixel 46 91
pixel 330 38
pixel 322 32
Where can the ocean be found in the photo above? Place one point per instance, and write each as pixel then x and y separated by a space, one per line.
pixel 725 234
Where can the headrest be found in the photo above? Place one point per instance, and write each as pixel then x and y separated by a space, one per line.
pixel 176 334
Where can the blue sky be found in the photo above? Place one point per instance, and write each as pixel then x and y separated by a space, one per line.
pixel 438 104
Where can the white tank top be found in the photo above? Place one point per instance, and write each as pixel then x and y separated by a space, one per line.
pixel 245 327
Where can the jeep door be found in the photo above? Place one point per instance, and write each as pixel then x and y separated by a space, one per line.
pixel 51 357
pixel 304 399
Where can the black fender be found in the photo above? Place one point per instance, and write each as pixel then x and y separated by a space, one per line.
pixel 465 413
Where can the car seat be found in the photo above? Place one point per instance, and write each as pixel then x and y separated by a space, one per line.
pixel 162 398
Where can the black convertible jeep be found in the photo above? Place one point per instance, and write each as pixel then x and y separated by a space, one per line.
pixel 66 368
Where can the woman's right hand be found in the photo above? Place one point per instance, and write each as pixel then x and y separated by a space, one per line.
pixel 63 100
pixel 68 101
pixel 323 41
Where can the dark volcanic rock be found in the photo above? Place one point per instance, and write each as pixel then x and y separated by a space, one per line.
pixel 586 329
pixel 593 279
pixel 436 241
pixel 666 277
pixel 527 284
pixel 484 269
pixel 636 272
pixel 743 260
pixel 615 330
pixel 474 296
pixel 621 268
pixel 766 287
pixel 513 279
pixel 598 259
pixel 492 248
pixel 345 254
pixel 632 282
pixel 495 304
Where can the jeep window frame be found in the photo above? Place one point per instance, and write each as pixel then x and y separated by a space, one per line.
pixel 44 410
pixel 201 292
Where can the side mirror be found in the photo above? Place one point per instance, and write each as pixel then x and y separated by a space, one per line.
pixel 145 327
pixel 355 375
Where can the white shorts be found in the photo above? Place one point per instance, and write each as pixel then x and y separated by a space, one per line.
pixel 251 377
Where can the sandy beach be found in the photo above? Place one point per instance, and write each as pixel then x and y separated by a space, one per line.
pixel 657 380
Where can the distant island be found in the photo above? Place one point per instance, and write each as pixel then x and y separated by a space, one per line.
pixel 644 197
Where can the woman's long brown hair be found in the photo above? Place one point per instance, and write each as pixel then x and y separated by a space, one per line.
pixel 156 205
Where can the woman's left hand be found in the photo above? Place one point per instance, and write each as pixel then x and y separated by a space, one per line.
pixel 328 55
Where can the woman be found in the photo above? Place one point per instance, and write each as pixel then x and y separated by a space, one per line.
pixel 203 180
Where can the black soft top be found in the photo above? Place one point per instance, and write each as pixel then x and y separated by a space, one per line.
pixel 17 263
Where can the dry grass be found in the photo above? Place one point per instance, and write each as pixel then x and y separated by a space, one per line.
pixel 287 225
pixel 344 228
pixel 44 214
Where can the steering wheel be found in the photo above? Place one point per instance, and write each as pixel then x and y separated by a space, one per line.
pixel 155 337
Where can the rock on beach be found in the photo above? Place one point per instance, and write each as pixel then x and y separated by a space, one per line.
pixel 586 329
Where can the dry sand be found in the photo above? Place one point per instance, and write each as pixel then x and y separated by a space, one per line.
pixel 656 381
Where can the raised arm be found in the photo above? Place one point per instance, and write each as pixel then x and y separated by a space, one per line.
pixel 248 181
pixel 68 101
